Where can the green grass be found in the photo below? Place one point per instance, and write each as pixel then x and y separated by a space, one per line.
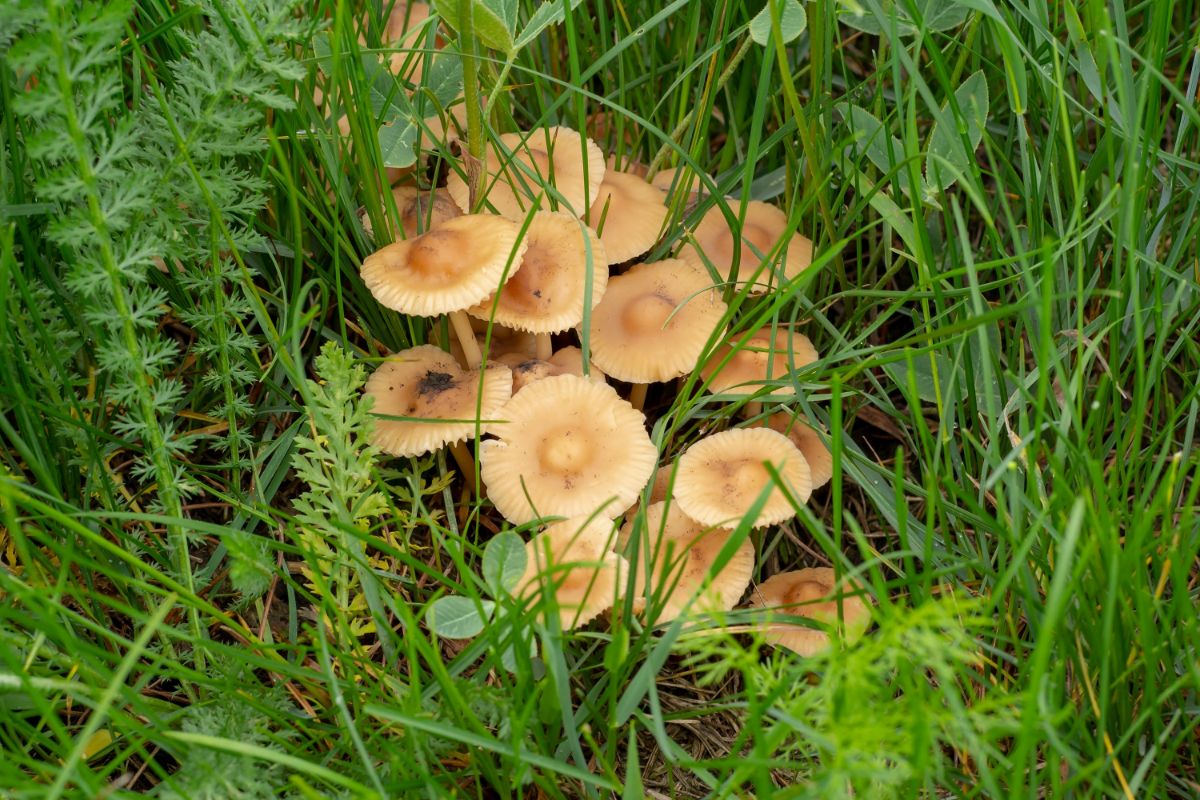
pixel 204 592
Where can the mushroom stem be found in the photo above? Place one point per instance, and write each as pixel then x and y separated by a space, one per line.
pixel 637 395
pixel 466 337
pixel 545 348
pixel 466 464
pixel 752 409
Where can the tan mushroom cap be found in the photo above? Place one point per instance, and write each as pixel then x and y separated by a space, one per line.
pixel 629 213
pixel 809 442
pixel 679 179
pixel 763 227
pixel 811 593
pixel 549 156
pixel 419 211
pixel 405 30
pixel 450 267
pixel 504 341
pixel 548 291
pixel 762 359
pixel 721 476
pixel 566 446
pixel 426 383
pixel 574 560
pixel 679 556
pixel 655 321
pixel 566 361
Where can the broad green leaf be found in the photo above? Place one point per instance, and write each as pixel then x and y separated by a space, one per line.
pixel 397 143
pixel 504 562
pixel 547 14
pixel 946 157
pixel 884 150
pixel 922 370
pixel 792 22
pixel 454 617
pixel 494 20
pixel 885 16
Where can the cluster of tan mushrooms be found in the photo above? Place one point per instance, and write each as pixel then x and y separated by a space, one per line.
pixel 537 262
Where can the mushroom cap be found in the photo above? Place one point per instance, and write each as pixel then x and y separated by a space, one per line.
pixel 809 442
pixel 629 214
pixel 448 268
pixel 764 358
pixel 418 211
pixel 405 30
pixel 721 476
pixel 556 156
pixel 655 321
pixel 426 383
pixel 567 361
pixel 678 555
pixel 811 593
pixel 763 227
pixel 504 341
pixel 566 446
pixel 679 178
pixel 574 559
pixel 546 293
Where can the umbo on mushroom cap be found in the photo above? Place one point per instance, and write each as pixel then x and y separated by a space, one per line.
pixel 677 556
pixel 426 383
pixel 574 562
pixel 521 165
pixel 655 321
pixel 809 442
pixel 452 266
pixel 721 476
pixel 548 291
pixel 763 227
pixel 419 211
pixel 629 214
pixel 566 446
pixel 811 593
pixel 743 368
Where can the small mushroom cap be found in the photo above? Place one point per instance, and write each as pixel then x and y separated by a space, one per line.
pixel 418 211
pixel 763 359
pixel 574 560
pixel 655 321
pixel 567 361
pixel 426 383
pixel 629 214
pixel 453 266
pixel 566 446
pixel 503 341
pixel 547 292
pixel 811 593
pixel 763 227
pixel 514 184
pixel 809 442
pixel 678 555
pixel 721 476
pixel 679 179
pixel 405 30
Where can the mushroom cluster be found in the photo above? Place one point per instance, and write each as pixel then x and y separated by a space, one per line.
pixel 531 272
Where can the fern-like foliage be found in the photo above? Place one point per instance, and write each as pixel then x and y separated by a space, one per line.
pixel 88 156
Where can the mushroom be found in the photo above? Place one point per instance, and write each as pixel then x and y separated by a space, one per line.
pixel 721 477
pixel 444 403
pixel 761 229
pixel 567 361
pixel 519 167
pixel 811 593
pixel 566 446
pixel 628 213
pixel 549 291
pixel 809 442
pixel 445 270
pixel 572 561
pixel 743 367
pixel 654 323
pixel 417 211
pixel 677 558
